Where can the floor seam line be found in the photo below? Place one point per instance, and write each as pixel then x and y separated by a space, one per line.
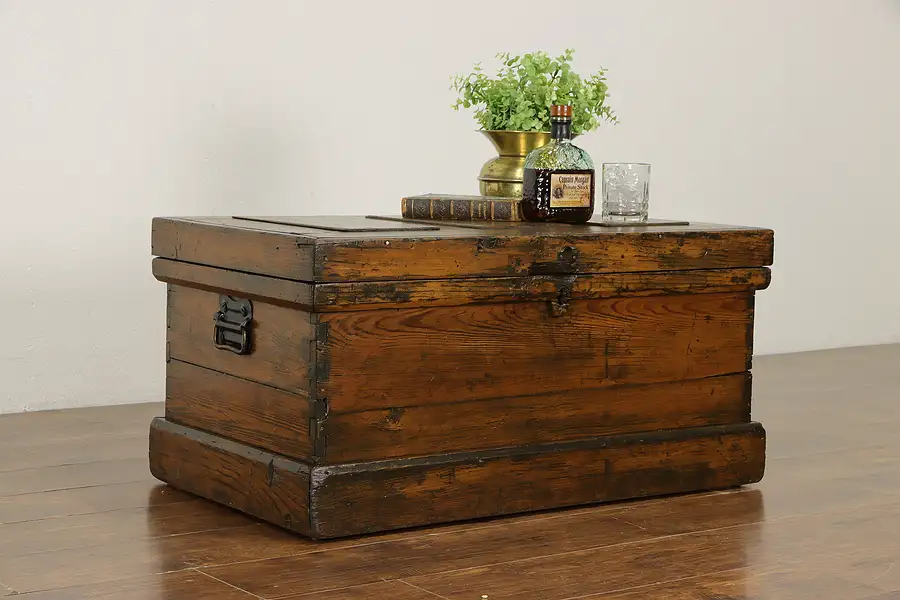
pixel 74 487
pixel 291 596
pixel 96 512
pixel 3 586
pixel 252 595
pixel 150 538
pixel 650 540
pixel 648 585
pixel 403 581
pixel 69 464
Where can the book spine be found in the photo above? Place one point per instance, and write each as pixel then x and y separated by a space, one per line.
pixel 455 209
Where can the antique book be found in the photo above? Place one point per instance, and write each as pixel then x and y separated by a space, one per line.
pixel 449 207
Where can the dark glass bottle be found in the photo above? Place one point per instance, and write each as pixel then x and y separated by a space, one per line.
pixel 558 185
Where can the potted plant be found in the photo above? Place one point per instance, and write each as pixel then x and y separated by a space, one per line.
pixel 513 110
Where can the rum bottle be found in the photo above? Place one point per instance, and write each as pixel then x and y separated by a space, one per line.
pixel 558 184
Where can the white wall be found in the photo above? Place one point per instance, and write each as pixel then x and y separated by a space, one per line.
pixel 778 113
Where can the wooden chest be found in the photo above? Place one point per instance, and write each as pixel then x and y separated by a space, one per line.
pixel 346 375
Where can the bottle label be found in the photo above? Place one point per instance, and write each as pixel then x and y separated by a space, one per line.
pixel 570 190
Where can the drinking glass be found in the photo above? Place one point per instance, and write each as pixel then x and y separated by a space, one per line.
pixel 626 192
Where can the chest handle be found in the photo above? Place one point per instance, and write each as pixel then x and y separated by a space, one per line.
pixel 232 326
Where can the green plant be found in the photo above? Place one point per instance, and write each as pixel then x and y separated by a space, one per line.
pixel 520 96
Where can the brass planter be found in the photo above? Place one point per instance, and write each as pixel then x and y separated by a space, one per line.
pixel 502 175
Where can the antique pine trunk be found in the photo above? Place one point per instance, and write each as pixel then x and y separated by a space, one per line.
pixel 346 375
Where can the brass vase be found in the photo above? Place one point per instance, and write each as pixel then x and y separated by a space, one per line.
pixel 502 175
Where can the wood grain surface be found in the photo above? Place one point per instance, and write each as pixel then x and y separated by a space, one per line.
pixel 187 585
pixel 238 409
pixel 255 482
pixel 363 295
pixel 542 418
pixel 393 359
pixel 270 250
pixel 346 500
pixel 367 497
pixel 536 253
pixel 320 254
pixel 87 498
pixel 546 288
pixel 280 338
pixel 247 285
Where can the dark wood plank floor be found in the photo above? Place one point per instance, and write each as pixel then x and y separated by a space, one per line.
pixel 81 517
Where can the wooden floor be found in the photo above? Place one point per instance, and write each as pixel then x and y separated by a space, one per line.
pixel 81 517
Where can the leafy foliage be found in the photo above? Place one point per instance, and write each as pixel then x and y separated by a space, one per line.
pixel 520 96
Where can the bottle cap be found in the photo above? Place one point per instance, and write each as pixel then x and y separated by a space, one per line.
pixel 561 110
